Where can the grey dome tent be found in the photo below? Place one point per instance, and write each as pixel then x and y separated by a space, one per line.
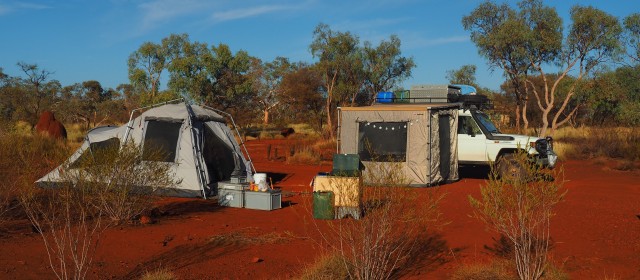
pixel 197 142
pixel 422 138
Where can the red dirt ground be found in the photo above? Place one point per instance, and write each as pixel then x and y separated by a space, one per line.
pixel 596 232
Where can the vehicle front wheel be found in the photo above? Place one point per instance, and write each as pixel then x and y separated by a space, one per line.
pixel 510 169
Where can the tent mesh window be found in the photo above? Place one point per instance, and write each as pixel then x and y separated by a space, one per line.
pixel 96 147
pixel 218 157
pixel 382 141
pixel 161 136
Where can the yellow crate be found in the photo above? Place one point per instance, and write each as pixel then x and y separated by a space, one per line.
pixel 347 191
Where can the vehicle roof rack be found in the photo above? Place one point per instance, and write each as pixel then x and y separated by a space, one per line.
pixel 434 94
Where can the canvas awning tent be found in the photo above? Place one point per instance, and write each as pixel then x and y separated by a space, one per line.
pixel 422 138
pixel 198 144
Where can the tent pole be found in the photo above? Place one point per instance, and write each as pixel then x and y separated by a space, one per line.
pixel 339 134
pixel 197 156
pixel 430 147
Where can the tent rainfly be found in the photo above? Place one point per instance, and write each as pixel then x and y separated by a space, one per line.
pixel 197 143
pixel 421 137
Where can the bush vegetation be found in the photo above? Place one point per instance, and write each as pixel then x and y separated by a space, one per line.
pixel 159 274
pixel 621 143
pixel 390 231
pixel 23 159
pixel 520 208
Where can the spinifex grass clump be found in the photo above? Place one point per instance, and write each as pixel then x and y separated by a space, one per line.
pixel 394 220
pixel 520 208
pixel 112 182
pixel 125 179
pixel 23 159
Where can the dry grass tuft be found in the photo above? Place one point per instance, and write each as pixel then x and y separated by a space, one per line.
pixel 594 142
pixel 495 270
pixel 249 236
pixel 159 274
pixel 304 155
pixel 327 267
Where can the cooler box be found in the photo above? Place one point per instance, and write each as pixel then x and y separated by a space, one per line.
pixel 269 200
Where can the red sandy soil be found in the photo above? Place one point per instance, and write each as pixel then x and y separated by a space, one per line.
pixel 596 232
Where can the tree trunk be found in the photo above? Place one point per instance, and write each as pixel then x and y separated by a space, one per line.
pixel 266 116
pixel 518 116
pixel 524 116
pixel 329 119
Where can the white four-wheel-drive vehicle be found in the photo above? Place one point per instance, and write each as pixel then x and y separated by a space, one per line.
pixel 479 140
pixel 480 143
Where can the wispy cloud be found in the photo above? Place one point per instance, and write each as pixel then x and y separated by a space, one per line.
pixel 31 6
pixel 10 7
pixel 367 25
pixel 156 13
pixel 248 12
pixel 4 10
pixel 161 11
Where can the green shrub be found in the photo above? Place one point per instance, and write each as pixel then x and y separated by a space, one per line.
pixel 520 209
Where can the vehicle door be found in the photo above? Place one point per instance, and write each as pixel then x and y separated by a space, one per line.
pixel 472 146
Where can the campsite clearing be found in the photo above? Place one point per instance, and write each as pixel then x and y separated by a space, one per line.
pixel 596 232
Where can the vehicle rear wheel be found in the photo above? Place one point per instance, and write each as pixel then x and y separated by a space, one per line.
pixel 510 169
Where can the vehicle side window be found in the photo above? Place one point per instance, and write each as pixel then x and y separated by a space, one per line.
pixel 466 125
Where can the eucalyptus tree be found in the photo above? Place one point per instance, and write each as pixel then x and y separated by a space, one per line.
pixel 465 75
pixel 531 40
pixel 188 74
pixel 146 66
pixel 266 79
pixel 500 35
pixel 337 52
pixel 384 66
pixel 632 36
pixel 301 95
pixel 231 86
pixel 38 92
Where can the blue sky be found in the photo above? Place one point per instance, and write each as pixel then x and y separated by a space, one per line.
pixel 82 40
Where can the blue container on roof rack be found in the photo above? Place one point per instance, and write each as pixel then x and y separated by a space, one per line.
pixel 466 89
pixel 385 97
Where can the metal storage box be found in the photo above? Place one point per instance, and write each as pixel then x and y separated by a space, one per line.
pixel 429 93
pixel 227 185
pixel 268 200
pixel 231 198
pixel 231 194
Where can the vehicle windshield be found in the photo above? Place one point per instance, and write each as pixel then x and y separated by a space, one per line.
pixel 486 122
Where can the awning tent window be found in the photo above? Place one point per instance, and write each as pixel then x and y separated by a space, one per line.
pixel 161 136
pixel 96 148
pixel 382 141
